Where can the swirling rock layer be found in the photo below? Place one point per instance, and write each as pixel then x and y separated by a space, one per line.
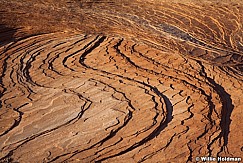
pixel 124 81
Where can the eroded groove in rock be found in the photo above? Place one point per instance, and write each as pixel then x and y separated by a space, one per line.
pixel 114 81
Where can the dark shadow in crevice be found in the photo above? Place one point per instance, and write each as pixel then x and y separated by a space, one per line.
pixel 6 34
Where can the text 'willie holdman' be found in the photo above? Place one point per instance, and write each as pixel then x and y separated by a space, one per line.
pixel 219 159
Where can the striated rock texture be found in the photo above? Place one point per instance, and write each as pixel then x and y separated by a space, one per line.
pixel 120 81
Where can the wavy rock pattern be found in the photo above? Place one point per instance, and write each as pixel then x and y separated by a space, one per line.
pixel 123 81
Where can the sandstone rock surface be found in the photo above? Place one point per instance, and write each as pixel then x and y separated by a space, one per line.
pixel 120 81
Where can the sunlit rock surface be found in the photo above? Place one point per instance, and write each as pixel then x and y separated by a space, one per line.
pixel 120 81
